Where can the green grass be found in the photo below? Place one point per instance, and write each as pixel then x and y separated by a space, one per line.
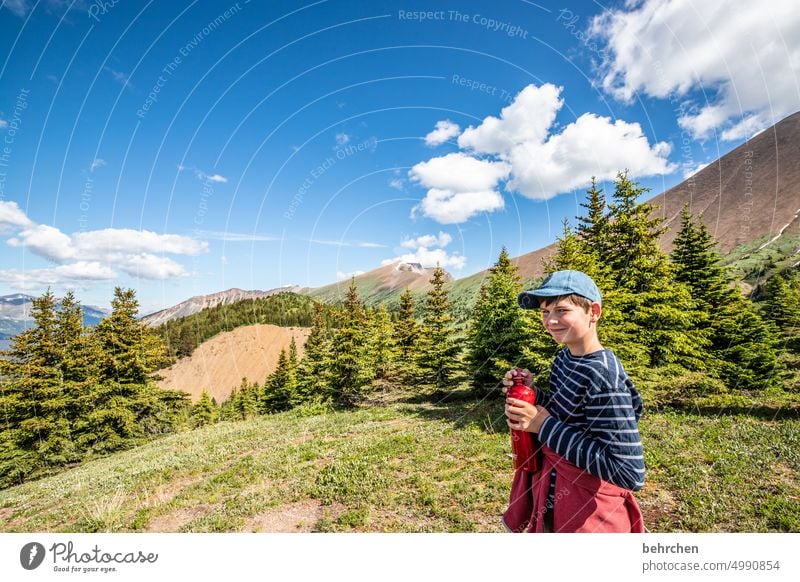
pixel 404 467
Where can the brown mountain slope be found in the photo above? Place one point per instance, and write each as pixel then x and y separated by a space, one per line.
pixel 219 364
pixel 748 193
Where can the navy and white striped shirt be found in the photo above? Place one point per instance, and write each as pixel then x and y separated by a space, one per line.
pixel 595 409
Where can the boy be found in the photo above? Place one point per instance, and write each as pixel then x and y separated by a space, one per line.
pixel 587 424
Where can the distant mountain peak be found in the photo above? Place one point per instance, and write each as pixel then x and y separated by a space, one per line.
pixel 200 302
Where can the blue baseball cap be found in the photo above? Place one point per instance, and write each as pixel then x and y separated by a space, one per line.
pixel 561 283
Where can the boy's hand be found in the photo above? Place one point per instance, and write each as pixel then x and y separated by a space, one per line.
pixel 524 415
pixel 527 379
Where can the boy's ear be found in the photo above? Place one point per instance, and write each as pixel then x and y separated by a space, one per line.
pixel 596 310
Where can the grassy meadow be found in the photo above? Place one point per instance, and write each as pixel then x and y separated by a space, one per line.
pixel 406 466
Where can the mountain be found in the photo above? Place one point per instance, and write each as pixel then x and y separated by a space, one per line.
pixel 201 302
pixel 749 200
pixel 749 194
pixel 378 285
pixel 219 364
pixel 15 314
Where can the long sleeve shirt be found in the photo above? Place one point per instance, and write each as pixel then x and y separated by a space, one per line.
pixel 595 409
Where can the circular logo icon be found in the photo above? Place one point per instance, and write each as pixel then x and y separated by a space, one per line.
pixel 31 555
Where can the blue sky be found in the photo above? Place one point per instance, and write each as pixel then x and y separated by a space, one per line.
pixel 183 148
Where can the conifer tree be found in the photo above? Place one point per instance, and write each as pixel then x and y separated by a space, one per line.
pixel 406 334
pixel 438 351
pixel 314 369
pixel 593 229
pixel 349 368
pixel 246 400
pixel 651 299
pixel 499 331
pixel 125 404
pixel 35 430
pixel 204 412
pixel 742 344
pixel 381 343
pixel 782 303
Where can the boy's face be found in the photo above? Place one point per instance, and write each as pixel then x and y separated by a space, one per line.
pixel 568 323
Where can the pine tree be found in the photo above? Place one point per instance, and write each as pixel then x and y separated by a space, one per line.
pixel 125 404
pixel 782 303
pixel 742 344
pixel 204 412
pixel 438 351
pixel 349 368
pixel 406 334
pixel 499 331
pixel 35 430
pixel 593 229
pixel 381 343
pixel 280 387
pixel 246 400
pixel 661 308
pixel 313 372
pixel 616 330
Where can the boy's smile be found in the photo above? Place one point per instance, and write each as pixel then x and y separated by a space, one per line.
pixel 572 325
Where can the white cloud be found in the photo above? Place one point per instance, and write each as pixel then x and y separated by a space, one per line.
pixel 341 275
pixel 126 240
pixel 97 163
pixel 396 183
pixel 591 146
pixel 743 56
pixel 342 138
pixel 149 266
pixel 430 258
pixel 91 255
pixel 427 256
pixel 528 119
pixel 219 179
pixel 459 186
pixel 518 147
pixel 427 240
pixel 3 124
pixel 444 130
pixel 45 241
pixel 12 217
pixel 80 273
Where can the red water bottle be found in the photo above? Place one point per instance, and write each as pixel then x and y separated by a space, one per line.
pixel 523 444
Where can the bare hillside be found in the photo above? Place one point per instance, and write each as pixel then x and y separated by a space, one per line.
pixel 219 364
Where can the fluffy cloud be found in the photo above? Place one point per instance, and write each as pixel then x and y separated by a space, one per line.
pixel 92 255
pixel 443 131
pixel 527 120
pixel 427 240
pixel 743 56
pixel 519 147
pixel 427 256
pixel 75 274
pixel 12 217
pixel 591 146
pixel 97 163
pixel 459 186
